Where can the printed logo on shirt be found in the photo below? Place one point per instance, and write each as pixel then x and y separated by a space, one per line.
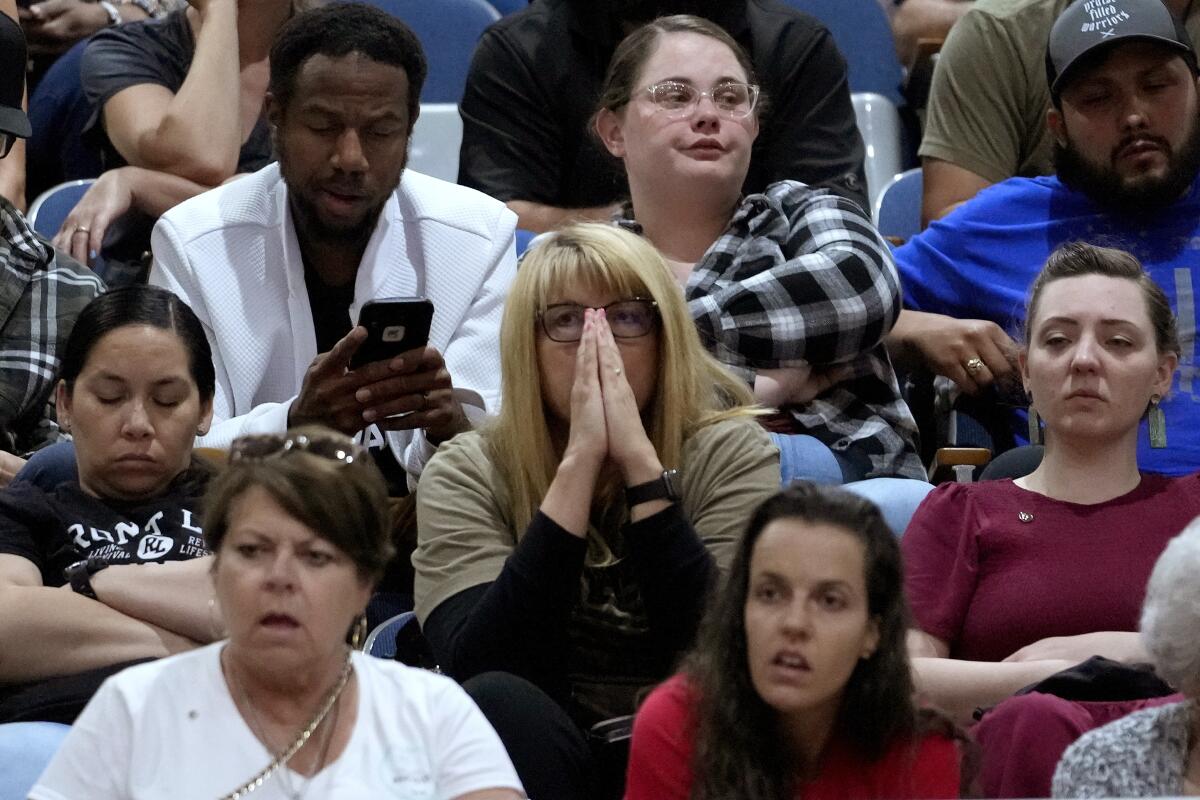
pixel 127 542
pixel 152 547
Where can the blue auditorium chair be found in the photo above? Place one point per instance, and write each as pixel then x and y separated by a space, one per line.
pixel 863 34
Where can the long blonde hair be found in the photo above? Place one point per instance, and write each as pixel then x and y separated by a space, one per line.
pixel 692 389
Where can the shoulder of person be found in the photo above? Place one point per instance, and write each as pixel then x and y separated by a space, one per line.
pixel 1131 738
pixel 409 682
pixel 742 433
pixel 162 38
pixel 1037 15
pixel 252 201
pixel 1001 204
pixel 426 199
pixel 174 677
pixel 465 458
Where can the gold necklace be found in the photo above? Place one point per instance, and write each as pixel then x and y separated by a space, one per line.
pixel 283 757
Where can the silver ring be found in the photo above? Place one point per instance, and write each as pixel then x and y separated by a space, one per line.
pixel 80 229
pixel 974 365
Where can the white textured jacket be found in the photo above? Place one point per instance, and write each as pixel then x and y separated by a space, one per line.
pixel 232 254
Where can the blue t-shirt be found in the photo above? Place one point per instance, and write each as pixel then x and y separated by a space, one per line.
pixel 978 263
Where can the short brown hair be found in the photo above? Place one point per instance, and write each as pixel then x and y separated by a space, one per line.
pixel 346 504
pixel 1076 259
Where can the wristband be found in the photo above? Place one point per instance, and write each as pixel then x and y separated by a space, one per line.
pixel 79 575
pixel 114 16
pixel 661 488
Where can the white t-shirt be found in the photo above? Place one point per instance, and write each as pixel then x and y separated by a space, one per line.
pixel 170 729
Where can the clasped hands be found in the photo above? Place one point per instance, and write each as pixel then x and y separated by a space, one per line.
pixel 606 424
pixel 415 384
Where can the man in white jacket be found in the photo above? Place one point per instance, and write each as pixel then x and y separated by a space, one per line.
pixel 277 264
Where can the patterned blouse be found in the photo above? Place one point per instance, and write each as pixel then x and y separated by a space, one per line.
pixel 802 276
pixel 1143 754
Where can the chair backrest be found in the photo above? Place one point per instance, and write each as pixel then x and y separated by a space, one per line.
pixel 882 133
pixel 898 209
pixel 863 34
pixel 449 31
pixel 506 7
pixel 51 207
pixel 381 642
pixel 435 141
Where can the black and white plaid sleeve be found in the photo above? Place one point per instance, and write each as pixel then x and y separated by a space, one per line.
pixel 801 275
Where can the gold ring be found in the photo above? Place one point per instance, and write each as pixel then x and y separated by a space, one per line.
pixel 81 229
pixel 974 365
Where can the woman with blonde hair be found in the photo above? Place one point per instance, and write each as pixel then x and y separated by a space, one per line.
pixel 569 546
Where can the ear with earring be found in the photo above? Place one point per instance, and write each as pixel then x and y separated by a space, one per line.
pixel 358 633
pixel 1157 423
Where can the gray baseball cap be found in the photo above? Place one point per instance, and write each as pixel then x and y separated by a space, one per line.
pixel 12 78
pixel 1087 25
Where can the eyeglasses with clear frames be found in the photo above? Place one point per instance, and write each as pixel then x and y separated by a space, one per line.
pixel 679 100
pixel 627 319
pixel 260 447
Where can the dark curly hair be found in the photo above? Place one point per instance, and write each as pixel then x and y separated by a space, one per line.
pixel 738 750
pixel 339 29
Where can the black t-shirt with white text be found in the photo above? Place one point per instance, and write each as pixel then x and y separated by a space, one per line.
pixel 55 529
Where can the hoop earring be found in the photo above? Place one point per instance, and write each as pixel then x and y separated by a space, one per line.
pixel 358 633
pixel 1157 423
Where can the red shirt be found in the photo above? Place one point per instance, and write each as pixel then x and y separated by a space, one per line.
pixel 991 567
pixel 660 759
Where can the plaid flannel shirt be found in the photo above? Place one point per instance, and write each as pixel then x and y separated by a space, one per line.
pixel 802 276
pixel 41 295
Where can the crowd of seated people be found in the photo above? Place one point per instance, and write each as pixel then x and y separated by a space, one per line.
pixel 574 480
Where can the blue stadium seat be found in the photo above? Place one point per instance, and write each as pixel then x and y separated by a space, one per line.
pixel 864 35
pixel 449 31
pixel 381 642
pixel 25 750
pixel 898 209
pixel 58 110
pixel 506 7
pixel 51 207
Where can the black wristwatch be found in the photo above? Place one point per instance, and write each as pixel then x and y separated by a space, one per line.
pixel 79 575
pixel 661 488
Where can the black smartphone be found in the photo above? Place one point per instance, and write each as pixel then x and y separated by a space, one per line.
pixel 394 325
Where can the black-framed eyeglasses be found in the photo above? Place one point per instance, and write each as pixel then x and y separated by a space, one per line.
pixel 678 100
pixel 7 140
pixel 628 319
pixel 259 447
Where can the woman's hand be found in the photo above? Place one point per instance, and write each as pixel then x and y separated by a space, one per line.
pixel 588 439
pixel 82 232
pixel 628 446
pixel 1123 646
pixel 776 388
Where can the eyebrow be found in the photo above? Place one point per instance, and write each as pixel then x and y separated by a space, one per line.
pixel 170 380
pixel 1109 322
pixel 717 82
pixel 317 107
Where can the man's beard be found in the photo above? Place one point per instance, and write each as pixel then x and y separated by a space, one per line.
pixel 1146 195
pixel 309 219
